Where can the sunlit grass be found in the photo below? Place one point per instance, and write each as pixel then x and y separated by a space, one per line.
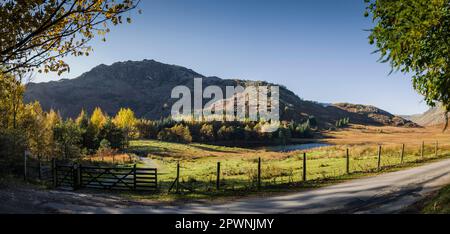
pixel 198 163
pixel 439 204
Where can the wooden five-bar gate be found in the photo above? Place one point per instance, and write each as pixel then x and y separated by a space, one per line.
pixel 125 178
pixel 76 176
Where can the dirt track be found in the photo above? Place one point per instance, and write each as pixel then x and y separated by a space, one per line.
pixel 387 193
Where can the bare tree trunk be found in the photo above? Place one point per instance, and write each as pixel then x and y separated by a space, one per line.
pixel 16 101
pixel 446 120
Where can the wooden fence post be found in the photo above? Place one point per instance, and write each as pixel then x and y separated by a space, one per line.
pixel 54 173
pixel 134 176
pixel 75 176
pixel 218 176
pixel 80 175
pixel 436 149
pixel 40 169
pixel 348 162
pixel 178 178
pixel 25 166
pixel 259 173
pixel 422 150
pixel 402 154
pixel 379 157
pixel 156 178
pixel 304 167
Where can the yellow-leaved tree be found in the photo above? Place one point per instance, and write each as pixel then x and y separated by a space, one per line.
pixel 126 120
pixel 98 119
pixel 39 34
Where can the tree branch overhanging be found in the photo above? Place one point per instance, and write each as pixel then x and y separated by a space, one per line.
pixel 50 30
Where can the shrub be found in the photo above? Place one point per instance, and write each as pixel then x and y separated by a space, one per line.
pixel 146 129
pixel 207 132
pixel 68 139
pixel 105 149
pixel 113 134
pixel 177 133
pixel 225 133
pixel 12 146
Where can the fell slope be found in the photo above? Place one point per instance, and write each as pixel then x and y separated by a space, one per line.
pixel 145 86
pixel 434 116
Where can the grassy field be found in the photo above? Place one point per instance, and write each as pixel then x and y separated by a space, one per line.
pixel 361 135
pixel 439 204
pixel 111 159
pixel 198 162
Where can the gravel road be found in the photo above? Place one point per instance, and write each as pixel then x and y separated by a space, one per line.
pixel 386 193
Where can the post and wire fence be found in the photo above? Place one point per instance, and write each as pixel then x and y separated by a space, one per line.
pixel 258 173
pixel 265 174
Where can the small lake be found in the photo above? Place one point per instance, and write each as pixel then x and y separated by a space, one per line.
pixel 289 148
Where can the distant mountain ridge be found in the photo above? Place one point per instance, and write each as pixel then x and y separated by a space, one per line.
pixel 432 117
pixel 145 86
pixel 376 114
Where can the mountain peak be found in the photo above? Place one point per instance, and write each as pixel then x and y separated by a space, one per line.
pixel 146 86
pixel 135 71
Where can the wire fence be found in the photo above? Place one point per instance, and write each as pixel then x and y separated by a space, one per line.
pixel 258 173
pixel 266 172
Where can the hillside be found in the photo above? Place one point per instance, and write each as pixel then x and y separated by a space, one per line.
pixel 146 86
pixel 376 114
pixel 434 116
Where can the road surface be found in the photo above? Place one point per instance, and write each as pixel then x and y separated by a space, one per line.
pixel 386 193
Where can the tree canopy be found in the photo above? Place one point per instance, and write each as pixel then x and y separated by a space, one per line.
pixel 125 119
pixel 98 118
pixel 414 37
pixel 38 34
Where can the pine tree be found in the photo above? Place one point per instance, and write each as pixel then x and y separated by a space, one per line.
pixel 88 133
pixel 82 120
pixel 52 119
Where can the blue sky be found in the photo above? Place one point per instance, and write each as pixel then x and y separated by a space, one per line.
pixel 316 48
